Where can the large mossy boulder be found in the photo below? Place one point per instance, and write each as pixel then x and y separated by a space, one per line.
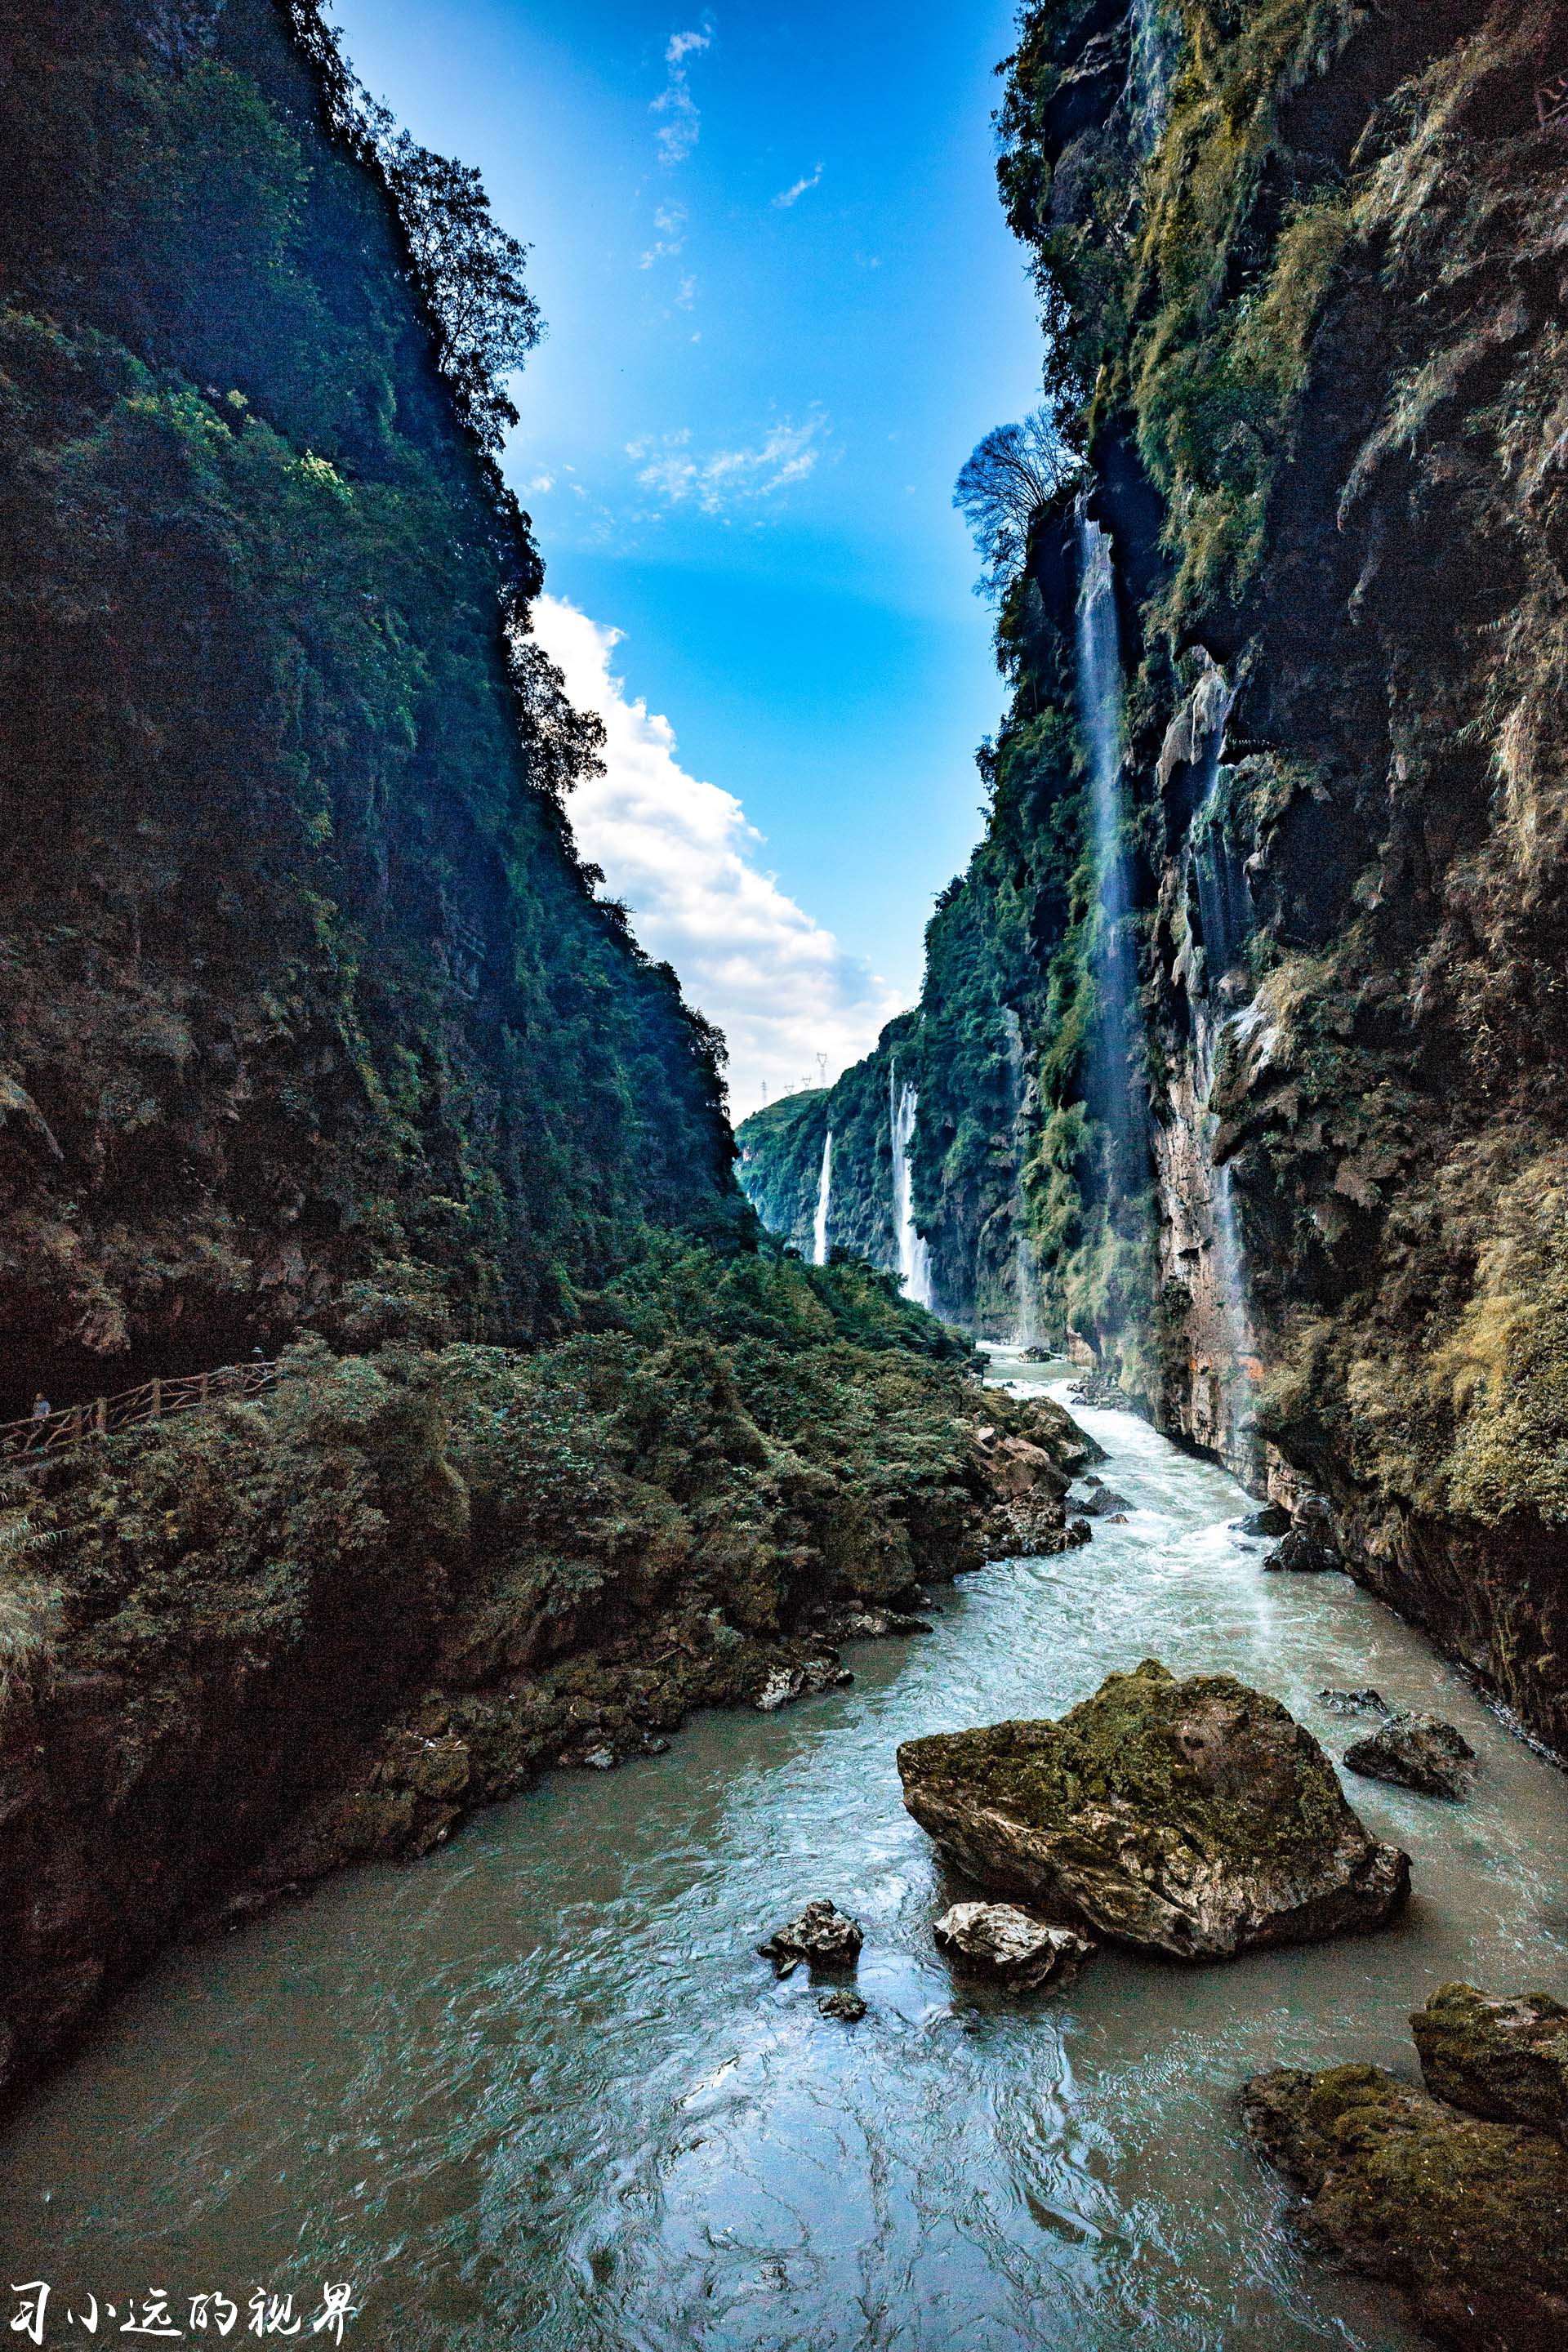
pixel 1504 2059
pixel 1195 1818
pixel 1470 2216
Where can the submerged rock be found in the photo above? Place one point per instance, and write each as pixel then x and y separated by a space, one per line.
pixel 1417 1751
pixel 822 1936
pixel 1193 1818
pixel 1356 1702
pixel 1009 1945
pixel 1472 2216
pixel 849 2007
pixel 1506 2059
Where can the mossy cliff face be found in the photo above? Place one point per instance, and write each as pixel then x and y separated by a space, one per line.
pixel 1303 268
pixel 310 1014
pixel 257 1643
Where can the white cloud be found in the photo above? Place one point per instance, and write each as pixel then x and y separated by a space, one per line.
pixel 683 856
pixel 688 294
pixel 541 482
pixel 677 135
pixel 787 196
pixel 670 222
pixel 786 454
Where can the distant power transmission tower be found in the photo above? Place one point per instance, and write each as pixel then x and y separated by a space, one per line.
pixel 822 1069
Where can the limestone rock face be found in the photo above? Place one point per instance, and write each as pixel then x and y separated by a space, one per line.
pixel 1009 1945
pixel 1503 2059
pixel 1417 1751
pixel 1472 2216
pixel 1196 1819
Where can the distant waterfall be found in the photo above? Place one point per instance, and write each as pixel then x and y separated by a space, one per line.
pixel 1100 696
pixel 914 1253
pixel 824 1194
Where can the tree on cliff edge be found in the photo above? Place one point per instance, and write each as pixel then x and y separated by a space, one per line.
pixel 1006 480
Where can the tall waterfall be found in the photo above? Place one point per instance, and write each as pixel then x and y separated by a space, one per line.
pixel 1025 1277
pixel 1225 914
pixel 1112 1084
pixel 824 1195
pixel 914 1254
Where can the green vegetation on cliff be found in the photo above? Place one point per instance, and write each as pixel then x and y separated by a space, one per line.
pixel 310 1012
pixel 1301 274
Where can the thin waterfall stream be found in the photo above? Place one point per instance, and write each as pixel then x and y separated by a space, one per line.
pixel 539 2091
pixel 824 1202
pixel 1115 1030
pixel 914 1253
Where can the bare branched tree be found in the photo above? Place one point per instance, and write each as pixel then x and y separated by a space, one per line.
pixel 1008 478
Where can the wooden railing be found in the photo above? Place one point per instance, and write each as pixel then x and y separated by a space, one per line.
pixel 67 1426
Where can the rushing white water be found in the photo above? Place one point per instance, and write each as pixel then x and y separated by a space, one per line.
pixel 914 1255
pixel 823 1196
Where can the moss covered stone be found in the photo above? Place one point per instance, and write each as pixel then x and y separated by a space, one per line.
pixel 1504 2059
pixel 1472 2216
pixel 1195 1818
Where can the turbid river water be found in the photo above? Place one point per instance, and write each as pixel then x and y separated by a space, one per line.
pixel 538 2090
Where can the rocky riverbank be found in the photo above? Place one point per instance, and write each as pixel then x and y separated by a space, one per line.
pixel 266 1642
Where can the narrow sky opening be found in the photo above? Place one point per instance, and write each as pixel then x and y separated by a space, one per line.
pixel 783 306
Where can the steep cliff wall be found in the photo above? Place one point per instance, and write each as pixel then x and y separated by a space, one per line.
pixel 312 1030
pixel 308 1013
pixel 1292 1138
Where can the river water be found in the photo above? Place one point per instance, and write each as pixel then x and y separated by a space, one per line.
pixel 538 2090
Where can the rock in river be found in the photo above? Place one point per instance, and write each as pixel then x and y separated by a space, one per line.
pixel 1417 1751
pixel 1191 1818
pixel 823 1935
pixel 1472 2216
pixel 1009 1945
pixel 1503 2059
pixel 848 2007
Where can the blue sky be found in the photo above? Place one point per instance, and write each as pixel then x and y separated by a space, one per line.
pixel 783 305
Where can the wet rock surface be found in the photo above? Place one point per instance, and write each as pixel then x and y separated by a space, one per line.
pixel 1099 1501
pixel 1304 1553
pixel 822 1936
pixel 1356 1702
pixel 1271 1521
pixel 783 1684
pixel 1470 2215
pixel 1194 1819
pixel 849 2008
pixel 1417 1751
pixel 1010 1947
pixel 1504 2059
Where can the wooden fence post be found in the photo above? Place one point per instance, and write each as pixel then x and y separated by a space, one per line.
pixel 157 1388
pixel 100 1416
